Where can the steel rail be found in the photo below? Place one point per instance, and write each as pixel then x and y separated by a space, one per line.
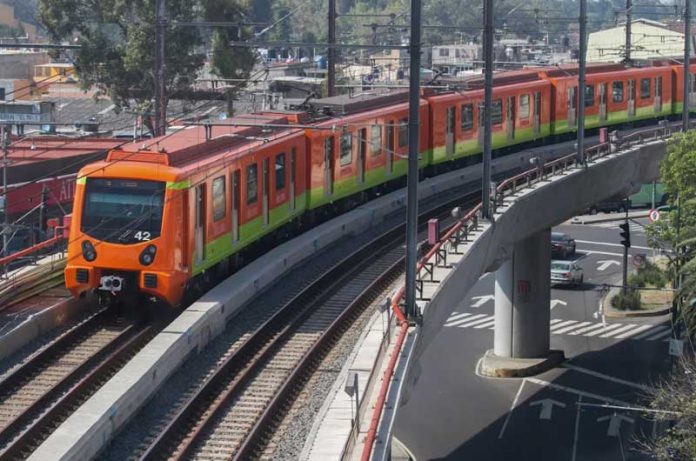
pixel 29 438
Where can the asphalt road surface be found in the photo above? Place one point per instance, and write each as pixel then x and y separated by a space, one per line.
pixel 585 410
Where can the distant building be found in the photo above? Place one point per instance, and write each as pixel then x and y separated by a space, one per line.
pixel 451 59
pixel 7 17
pixel 20 64
pixel 649 40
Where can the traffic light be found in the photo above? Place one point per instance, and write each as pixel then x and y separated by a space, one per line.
pixel 625 235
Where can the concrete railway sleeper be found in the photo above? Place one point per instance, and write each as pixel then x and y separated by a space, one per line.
pixel 43 391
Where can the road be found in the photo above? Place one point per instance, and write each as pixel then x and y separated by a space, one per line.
pixel 576 412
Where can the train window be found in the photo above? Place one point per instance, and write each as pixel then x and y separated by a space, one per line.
pixel 467 121
pixel 693 83
pixel 376 140
pixel 497 112
pixel 280 171
pixel 644 88
pixel 346 148
pixel 252 183
pixel 219 198
pixel 524 106
pixel 403 132
pixel 589 95
pixel 617 91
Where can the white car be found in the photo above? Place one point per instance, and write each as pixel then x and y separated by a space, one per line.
pixel 567 272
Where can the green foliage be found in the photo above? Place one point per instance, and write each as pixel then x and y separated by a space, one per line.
pixel 626 301
pixel 118 36
pixel 649 275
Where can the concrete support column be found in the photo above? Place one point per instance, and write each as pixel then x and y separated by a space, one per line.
pixel 522 300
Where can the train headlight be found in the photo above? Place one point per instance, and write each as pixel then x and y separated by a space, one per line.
pixel 88 251
pixel 148 255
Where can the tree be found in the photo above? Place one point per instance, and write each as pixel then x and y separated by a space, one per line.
pixel 117 38
pixel 678 228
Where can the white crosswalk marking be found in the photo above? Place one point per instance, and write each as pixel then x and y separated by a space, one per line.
pixel 470 322
pixel 562 324
pixel 572 327
pixel 660 335
pixel 652 332
pixel 604 330
pixel 457 321
pixel 633 331
pixel 618 330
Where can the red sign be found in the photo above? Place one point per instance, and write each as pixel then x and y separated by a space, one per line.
pixel 26 196
pixel 524 288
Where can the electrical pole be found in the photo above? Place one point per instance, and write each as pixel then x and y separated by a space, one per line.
pixel 160 86
pixel 627 56
pixel 580 155
pixel 413 148
pixel 487 103
pixel 331 61
pixel 687 58
pixel 5 140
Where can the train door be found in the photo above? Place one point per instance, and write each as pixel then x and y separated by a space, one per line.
pixel 266 188
pixel 510 121
pixel 658 94
pixel 692 90
pixel 537 112
pixel 631 98
pixel 236 187
pixel 572 106
pixel 362 150
pixel 328 165
pixel 293 160
pixel 449 136
pixel 199 231
pixel 602 102
pixel 390 147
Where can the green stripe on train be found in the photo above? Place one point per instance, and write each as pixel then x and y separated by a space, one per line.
pixel 613 118
pixel 223 247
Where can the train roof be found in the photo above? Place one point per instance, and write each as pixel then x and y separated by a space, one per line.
pixel 195 143
pixel 347 104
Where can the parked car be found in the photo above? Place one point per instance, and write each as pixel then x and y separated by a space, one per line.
pixel 562 245
pixel 610 206
pixel 566 272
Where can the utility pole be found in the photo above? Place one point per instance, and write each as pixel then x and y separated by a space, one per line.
pixel 687 58
pixel 626 242
pixel 627 56
pixel 160 86
pixel 5 140
pixel 487 103
pixel 413 147
pixel 331 61
pixel 580 154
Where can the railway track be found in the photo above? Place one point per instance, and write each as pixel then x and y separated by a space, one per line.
pixel 43 391
pixel 234 412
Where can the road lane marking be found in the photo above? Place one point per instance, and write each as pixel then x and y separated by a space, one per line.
pixel 456 316
pixel 663 334
pixel 459 320
pixel 512 408
pixel 572 327
pixel 490 323
pixel 604 330
pixel 572 390
pixel 618 330
pixel 553 321
pixel 590 242
pixel 562 324
pixel 471 322
pixel 597 374
pixel 586 329
pixel 635 331
pixel 653 331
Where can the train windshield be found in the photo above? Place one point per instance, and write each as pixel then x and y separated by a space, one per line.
pixel 123 210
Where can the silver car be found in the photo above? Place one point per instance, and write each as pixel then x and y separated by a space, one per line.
pixel 566 272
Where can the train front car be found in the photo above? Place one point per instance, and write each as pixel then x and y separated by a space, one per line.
pixel 127 231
